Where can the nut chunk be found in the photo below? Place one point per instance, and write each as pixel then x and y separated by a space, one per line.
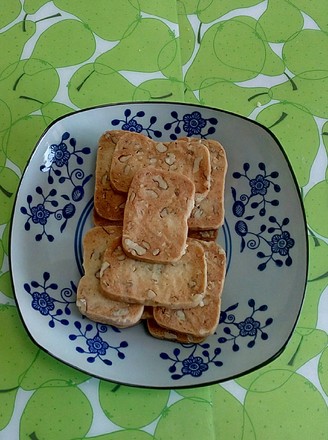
pixel 155 224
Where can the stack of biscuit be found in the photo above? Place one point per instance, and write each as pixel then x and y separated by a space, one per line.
pixel 152 253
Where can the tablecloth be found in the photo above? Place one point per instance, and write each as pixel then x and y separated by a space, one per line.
pixel 266 60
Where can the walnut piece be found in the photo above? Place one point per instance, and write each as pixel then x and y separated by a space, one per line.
pixel 151 193
pixel 197 161
pixel 181 316
pixel 124 158
pixel 170 159
pixel 151 294
pixel 132 246
pixel 164 213
pixel 161 182
pixel 104 266
pixel 161 148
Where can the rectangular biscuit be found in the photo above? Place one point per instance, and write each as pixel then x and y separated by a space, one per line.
pixel 101 221
pixel 177 285
pixel 134 151
pixel 156 215
pixel 202 320
pixel 108 203
pixel 209 212
pixel 90 300
pixel 162 333
pixel 205 235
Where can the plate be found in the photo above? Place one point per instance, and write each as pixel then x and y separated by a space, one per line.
pixel 264 235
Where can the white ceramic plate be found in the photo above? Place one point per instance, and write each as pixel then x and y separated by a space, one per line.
pixel 264 235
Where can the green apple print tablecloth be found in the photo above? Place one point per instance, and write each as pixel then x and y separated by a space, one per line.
pixel 266 60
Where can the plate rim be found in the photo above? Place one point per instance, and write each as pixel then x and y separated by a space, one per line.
pixel 174 385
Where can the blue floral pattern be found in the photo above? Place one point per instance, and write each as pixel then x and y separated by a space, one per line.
pixel 259 187
pixel 195 364
pixel 42 302
pixel 49 306
pixel 278 244
pixel 281 243
pixel 193 124
pixel 189 124
pixel 248 327
pixel 58 163
pixel 134 124
pixel 59 155
pixel 274 238
pixel 94 344
pixel 41 212
pixel 61 208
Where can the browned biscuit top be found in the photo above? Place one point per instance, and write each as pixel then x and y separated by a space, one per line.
pixel 134 151
pixel 176 285
pixel 108 203
pixel 202 320
pixel 209 212
pixel 90 300
pixel 156 213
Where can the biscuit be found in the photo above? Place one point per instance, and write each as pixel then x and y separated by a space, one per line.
pixel 157 209
pixel 134 151
pixel 90 300
pixel 162 333
pixel 107 202
pixel 101 221
pixel 177 285
pixel 202 320
pixel 209 212
pixel 206 235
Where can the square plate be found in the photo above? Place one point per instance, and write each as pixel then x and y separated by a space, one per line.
pixel 264 235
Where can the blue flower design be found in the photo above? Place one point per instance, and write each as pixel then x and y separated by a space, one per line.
pixel 39 214
pixel 194 366
pixel 50 305
pixel 58 165
pixel 281 243
pixel 133 126
pixel 59 154
pixel 259 185
pixel 132 123
pixel 42 302
pixel 275 237
pixel 97 345
pixel 193 123
pixel 249 327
